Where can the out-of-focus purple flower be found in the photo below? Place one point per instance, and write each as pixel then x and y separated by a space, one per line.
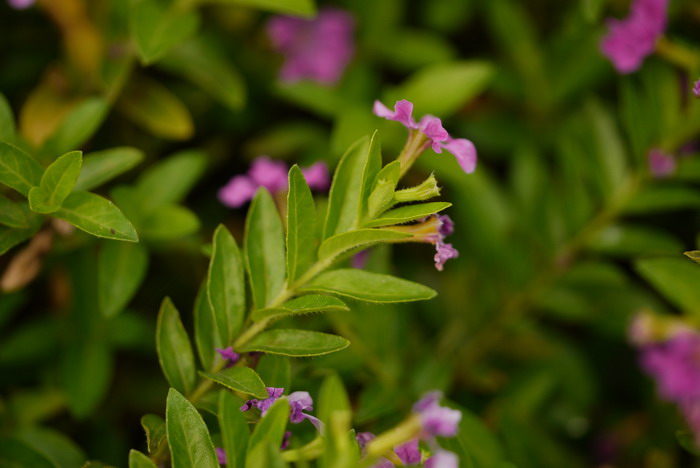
pixel 20 4
pixel 444 252
pixel 442 459
pixel 437 420
pixel 285 440
pixel 319 49
pixel 221 455
pixel 271 174
pixel 229 355
pixel 409 453
pixel 431 133
pixel 675 365
pixel 364 438
pixel 433 229
pixel 359 260
pixel 696 89
pixel 273 394
pixel 630 40
pixel 298 402
pixel 661 164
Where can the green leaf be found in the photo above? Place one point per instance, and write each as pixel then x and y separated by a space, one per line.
pixel 139 460
pixel 206 331
pixel 15 453
pixel 121 268
pixel 168 222
pixel 156 109
pixel 226 285
pixel 443 88
pixel 170 180
pixel 97 216
pixel 676 278
pixel 357 168
pixel 234 430
pixel 78 126
pixel 18 170
pixel 174 349
pixel 632 240
pixel 157 28
pixel 408 213
pixel 188 436
pixel 12 214
pixel 56 183
pixel 332 398
pixel 383 190
pixel 275 370
pixel 271 427
pixel 7 121
pixel 154 427
pixel 240 379
pixel 335 411
pixel 205 65
pixel 368 286
pixel 101 166
pixel 362 238
pixel 301 226
pixel 57 447
pixel 305 8
pixel 296 343
pixel 264 248
pixel 663 198
pixel 694 255
pixel 300 306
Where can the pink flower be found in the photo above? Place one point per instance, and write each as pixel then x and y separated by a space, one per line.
pixel 273 394
pixel 409 453
pixel 229 355
pixel 20 4
pixel 221 456
pixel 696 89
pixel 431 129
pixel 661 164
pixel 442 459
pixel 630 40
pixel 319 49
pixel 433 229
pixel 437 420
pixel 317 176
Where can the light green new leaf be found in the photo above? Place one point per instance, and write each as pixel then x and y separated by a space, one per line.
pixel 168 222
pixel 139 460
pixel 154 427
pixel 12 214
pixel 56 183
pixel 300 306
pixel 335 411
pixel 206 331
pixel 121 267
pixel 357 169
pixel 188 436
pixel 226 285
pixel 101 166
pixel 234 430
pixel 443 88
pixel 18 170
pixel 301 226
pixel 264 249
pixel 174 349
pixel 78 126
pixel 170 180
pixel 331 398
pixel 383 190
pixel 362 238
pixel 271 427
pixel 97 216
pixel 368 286
pixel 408 213
pixel 240 379
pixel 676 278
pixel 203 64
pixel 156 28
pixel 7 121
pixel 297 343
pixel 305 8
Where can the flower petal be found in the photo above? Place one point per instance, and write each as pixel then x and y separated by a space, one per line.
pixel 239 190
pixel 464 151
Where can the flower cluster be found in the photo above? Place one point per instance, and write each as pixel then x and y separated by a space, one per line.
pixel 318 49
pixel 630 40
pixel 298 403
pixel 271 174
pixel 428 132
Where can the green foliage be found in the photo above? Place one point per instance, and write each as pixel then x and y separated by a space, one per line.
pixel 174 349
pixel 240 379
pixel 188 436
pixel 297 343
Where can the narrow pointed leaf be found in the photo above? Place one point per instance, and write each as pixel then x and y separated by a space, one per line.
pixel 56 183
pixel 306 8
pixel 168 222
pixel 408 213
pixel 240 379
pixel 300 306
pixel 121 267
pixel 139 460
pixel 78 126
pixel 206 331
pixel 271 427
pixel 7 121
pixel 97 216
pixel 368 286
pixel 12 214
pixel 383 190
pixel 170 180
pixel 296 343
pixel 362 238
pixel 188 436
pixel 234 430
pixel 174 349
pixel 18 170
pixel 264 248
pixel 154 427
pixel 225 285
pixel 101 166
pixel 301 226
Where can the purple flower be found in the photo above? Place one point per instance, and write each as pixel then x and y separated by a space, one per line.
pixel 437 420
pixel 20 4
pixel 675 365
pixel 271 174
pixel 409 453
pixel 319 49
pixel 430 133
pixel 444 252
pixel 285 440
pixel 442 459
pixel 433 230
pixel 630 40
pixel 661 164
pixel 273 394
pixel 221 455
pixel 359 260
pixel 229 355
pixel 696 89
pixel 298 402
pixel 364 438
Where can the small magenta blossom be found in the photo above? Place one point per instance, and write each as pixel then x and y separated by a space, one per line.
pixel 631 40
pixel 433 229
pixel 661 164
pixel 442 459
pixel 428 132
pixel 20 4
pixel 229 355
pixel 298 402
pixel 221 455
pixel 318 50
pixel 409 453
pixel 437 420
pixel 696 89
pixel 271 174
pixel 273 394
